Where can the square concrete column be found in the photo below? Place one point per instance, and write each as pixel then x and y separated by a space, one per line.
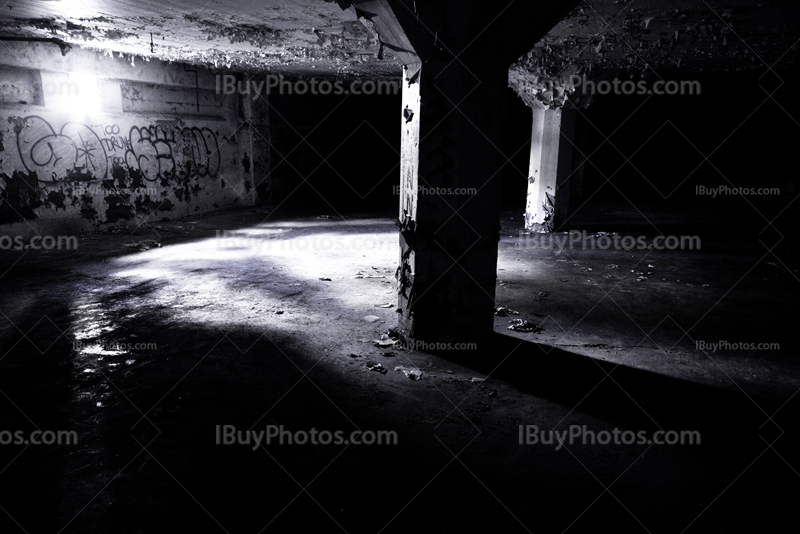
pixel 457 54
pixel 450 201
pixel 556 169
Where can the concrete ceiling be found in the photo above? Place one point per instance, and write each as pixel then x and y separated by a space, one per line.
pixel 695 36
pixel 318 37
pixel 661 39
pixel 284 36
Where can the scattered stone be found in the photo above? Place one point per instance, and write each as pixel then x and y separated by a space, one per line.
pixel 372 318
pixel 502 311
pixel 411 372
pixel 143 245
pixel 372 366
pixel 519 325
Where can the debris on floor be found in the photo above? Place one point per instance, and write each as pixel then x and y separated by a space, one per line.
pixel 324 217
pixel 145 244
pixel 612 266
pixel 411 372
pixel 372 366
pixel 325 279
pixel 519 325
pixel 476 380
pixel 502 311
pixel 384 305
pixel 362 274
pixel 390 339
pixel 354 355
pixel 372 318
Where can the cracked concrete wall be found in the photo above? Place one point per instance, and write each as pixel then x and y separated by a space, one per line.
pixel 100 142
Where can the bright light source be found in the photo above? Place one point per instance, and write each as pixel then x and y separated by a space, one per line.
pixel 87 98
pixel 73 93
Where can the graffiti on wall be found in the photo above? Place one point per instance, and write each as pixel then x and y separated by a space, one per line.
pixel 52 155
pixel 154 151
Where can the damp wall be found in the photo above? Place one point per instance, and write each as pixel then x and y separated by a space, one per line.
pixel 91 141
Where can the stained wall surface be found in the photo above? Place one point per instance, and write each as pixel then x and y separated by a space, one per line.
pixel 97 141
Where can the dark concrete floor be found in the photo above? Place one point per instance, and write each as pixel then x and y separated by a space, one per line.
pixel 613 352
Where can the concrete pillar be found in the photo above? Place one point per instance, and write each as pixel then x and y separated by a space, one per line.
pixel 556 169
pixel 457 54
pixel 450 201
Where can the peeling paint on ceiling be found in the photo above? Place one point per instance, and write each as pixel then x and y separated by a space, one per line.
pixel 304 37
pixel 292 37
pixel 659 39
